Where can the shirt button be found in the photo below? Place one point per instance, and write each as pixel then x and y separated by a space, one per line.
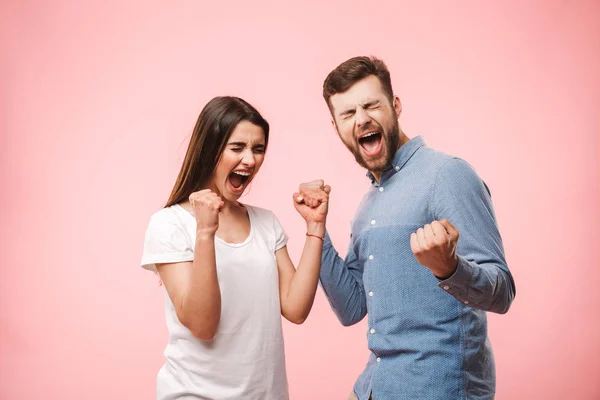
pixel 372 222
pixel 371 257
pixel 466 302
pixel 371 294
pixel 446 287
pixel 372 331
pixel 397 168
pixel 381 188
pixel 378 359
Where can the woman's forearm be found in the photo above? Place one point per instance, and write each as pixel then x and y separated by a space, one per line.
pixel 303 285
pixel 201 304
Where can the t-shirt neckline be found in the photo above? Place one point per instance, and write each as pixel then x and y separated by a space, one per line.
pixel 218 239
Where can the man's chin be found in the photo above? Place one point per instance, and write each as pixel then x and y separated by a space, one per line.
pixel 374 165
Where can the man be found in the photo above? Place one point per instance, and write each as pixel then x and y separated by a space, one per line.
pixel 426 292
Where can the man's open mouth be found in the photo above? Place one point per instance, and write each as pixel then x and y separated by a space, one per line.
pixel 371 143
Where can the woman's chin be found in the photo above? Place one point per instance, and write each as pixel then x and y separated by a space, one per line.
pixel 233 194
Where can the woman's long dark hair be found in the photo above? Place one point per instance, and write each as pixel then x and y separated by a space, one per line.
pixel 215 124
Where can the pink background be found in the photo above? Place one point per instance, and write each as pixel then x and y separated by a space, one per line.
pixel 98 101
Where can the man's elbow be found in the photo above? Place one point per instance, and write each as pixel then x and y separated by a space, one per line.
pixel 503 306
pixel 502 310
pixel 350 319
pixel 347 322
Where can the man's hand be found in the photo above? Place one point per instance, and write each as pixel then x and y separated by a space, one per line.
pixel 434 247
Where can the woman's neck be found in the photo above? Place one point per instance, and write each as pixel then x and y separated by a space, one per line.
pixel 230 207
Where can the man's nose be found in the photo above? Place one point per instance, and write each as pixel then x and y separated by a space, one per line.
pixel 362 118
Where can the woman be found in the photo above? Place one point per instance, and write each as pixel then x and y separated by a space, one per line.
pixel 225 266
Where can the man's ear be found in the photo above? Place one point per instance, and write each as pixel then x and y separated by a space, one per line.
pixel 397 106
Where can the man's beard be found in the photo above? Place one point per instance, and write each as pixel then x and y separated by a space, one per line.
pixel 391 141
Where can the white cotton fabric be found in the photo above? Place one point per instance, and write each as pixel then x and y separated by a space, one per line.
pixel 246 359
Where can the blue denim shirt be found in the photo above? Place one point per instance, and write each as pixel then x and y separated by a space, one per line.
pixel 428 338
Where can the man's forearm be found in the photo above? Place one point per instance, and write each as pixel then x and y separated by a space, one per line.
pixel 485 286
pixel 343 289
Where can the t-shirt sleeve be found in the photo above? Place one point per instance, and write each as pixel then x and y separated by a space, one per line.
pixel 166 241
pixel 280 235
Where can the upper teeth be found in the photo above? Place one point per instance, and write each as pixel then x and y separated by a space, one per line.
pixel 369 134
pixel 242 173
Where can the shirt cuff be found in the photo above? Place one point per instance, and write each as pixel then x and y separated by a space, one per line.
pixel 458 282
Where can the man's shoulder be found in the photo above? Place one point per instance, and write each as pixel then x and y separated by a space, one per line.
pixel 432 157
pixel 445 163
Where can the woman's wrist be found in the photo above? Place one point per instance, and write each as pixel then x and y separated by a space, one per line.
pixel 205 235
pixel 315 228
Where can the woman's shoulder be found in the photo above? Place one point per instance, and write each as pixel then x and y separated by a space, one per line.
pixel 267 225
pixel 259 211
pixel 167 239
pixel 169 218
pixel 261 217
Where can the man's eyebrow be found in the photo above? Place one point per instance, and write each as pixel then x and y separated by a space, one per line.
pixel 370 103
pixel 348 111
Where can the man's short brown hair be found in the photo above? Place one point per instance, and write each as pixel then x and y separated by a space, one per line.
pixel 353 70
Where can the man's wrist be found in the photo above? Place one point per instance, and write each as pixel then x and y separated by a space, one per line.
pixel 446 272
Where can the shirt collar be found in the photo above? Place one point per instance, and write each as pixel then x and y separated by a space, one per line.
pixel 401 157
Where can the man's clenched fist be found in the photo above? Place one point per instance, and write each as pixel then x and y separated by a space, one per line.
pixel 434 247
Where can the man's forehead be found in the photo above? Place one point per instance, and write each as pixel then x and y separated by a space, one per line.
pixel 365 90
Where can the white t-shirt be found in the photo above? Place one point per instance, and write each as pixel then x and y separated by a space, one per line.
pixel 246 359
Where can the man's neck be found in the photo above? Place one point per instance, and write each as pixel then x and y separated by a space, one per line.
pixel 403 139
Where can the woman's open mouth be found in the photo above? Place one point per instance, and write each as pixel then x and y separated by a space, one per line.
pixel 239 179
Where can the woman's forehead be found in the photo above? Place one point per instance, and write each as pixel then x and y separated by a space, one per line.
pixel 247 132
